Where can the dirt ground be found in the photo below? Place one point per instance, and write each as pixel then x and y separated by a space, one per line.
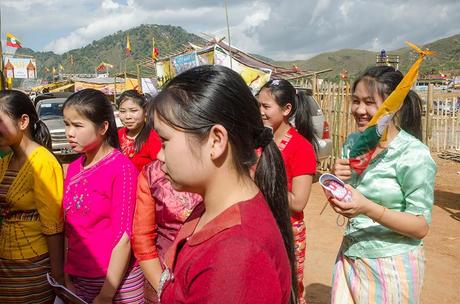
pixel 442 244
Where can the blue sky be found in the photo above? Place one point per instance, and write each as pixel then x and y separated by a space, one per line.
pixel 294 29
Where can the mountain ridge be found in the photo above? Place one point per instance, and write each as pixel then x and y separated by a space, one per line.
pixel 170 39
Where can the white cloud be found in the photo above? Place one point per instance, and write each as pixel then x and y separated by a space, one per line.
pixel 320 8
pixel 26 5
pixel 113 17
pixel 108 5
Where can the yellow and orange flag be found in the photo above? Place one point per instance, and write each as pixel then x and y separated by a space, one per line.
pixel 362 150
pixel 128 47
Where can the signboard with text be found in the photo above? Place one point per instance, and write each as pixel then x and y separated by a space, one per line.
pixel 16 67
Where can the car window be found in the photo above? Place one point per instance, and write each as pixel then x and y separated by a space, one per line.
pixel 313 106
pixel 50 109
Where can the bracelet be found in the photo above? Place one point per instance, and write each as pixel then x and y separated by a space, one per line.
pixel 381 215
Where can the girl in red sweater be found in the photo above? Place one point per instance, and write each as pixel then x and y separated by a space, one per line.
pixel 138 140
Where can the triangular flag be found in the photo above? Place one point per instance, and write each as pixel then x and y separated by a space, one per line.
pixel 128 47
pixel 12 41
pixel 362 150
pixel 154 50
pixel 101 67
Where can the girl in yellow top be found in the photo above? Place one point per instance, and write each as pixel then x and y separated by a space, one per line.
pixel 31 185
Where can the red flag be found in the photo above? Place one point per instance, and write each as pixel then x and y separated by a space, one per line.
pixel 154 51
pixel 295 68
pixel 101 68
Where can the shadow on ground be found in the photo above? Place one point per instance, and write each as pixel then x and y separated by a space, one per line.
pixel 448 201
pixel 318 293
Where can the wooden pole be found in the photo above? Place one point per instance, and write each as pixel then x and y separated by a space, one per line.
pixel 139 80
pixel 2 75
pixel 453 124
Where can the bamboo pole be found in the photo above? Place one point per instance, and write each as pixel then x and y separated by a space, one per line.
pixel 445 123
pixel 228 33
pixel 2 75
pixel 428 111
pixel 139 80
pixel 437 130
pixel 452 125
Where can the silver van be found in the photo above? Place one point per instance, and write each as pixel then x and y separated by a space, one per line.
pixel 50 112
pixel 320 125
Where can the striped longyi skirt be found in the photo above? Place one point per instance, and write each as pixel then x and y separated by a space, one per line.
pixel 387 280
pixel 131 289
pixel 24 281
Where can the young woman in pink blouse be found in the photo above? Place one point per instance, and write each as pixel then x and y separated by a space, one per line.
pixel 99 200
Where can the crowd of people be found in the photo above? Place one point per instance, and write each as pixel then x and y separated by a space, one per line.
pixel 199 198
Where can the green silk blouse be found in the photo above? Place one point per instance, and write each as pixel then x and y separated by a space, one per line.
pixel 400 178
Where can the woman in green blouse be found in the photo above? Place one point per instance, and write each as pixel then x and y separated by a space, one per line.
pixel 381 258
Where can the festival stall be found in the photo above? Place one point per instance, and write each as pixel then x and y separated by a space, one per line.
pixel 254 71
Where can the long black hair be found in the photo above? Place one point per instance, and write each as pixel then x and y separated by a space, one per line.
pixel 142 102
pixel 204 96
pixel 303 119
pixel 284 93
pixel 94 105
pixel 15 104
pixel 383 80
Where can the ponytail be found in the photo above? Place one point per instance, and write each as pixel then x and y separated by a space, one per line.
pixel 144 134
pixel 303 119
pixel 41 134
pixel 204 96
pixel 270 177
pixel 410 115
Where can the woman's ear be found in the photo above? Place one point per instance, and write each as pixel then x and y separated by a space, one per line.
pixel 287 109
pixel 24 122
pixel 103 128
pixel 218 141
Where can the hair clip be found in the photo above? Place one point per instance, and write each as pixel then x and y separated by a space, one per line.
pixel 276 82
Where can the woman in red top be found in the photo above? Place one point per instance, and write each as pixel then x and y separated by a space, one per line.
pixel 278 105
pixel 138 140
pixel 239 248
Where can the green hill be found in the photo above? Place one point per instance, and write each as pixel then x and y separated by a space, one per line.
pixel 356 61
pixel 111 49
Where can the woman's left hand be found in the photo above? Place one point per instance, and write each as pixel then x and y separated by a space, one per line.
pixel 358 205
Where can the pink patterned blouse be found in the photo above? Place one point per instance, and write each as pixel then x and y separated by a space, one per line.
pixel 98 208
pixel 160 213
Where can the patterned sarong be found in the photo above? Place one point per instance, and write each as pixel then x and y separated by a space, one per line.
pixel 131 289
pixel 24 281
pixel 387 280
